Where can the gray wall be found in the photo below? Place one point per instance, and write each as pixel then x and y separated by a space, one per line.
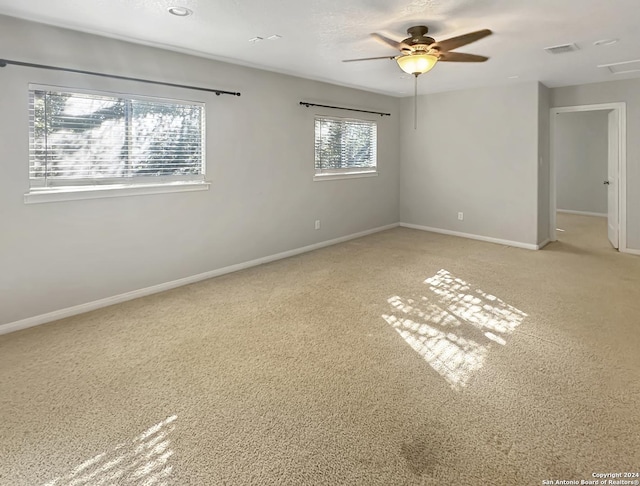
pixel 544 195
pixel 262 200
pixel 581 146
pixel 627 91
pixel 474 151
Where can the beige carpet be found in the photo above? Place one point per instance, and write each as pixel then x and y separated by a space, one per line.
pixel 404 357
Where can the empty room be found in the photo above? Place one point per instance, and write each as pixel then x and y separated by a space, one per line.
pixel 304 243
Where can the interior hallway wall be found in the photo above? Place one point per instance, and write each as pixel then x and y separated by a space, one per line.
pixel 581 144
pixel 627 91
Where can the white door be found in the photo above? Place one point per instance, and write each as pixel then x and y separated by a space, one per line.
pixel 612 178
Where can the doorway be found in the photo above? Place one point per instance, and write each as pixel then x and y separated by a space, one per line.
pixel 615 180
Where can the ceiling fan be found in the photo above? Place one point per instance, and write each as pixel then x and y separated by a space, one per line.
pixel 419 53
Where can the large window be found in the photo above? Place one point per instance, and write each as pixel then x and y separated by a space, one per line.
pixel 96 141
pixel 344 147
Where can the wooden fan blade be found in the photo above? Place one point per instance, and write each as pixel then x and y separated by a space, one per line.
pixel 461 40
pixel 460 57
pixel 390 42
pixel 368 58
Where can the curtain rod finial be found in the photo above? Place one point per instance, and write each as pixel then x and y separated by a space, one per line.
pixel 3 63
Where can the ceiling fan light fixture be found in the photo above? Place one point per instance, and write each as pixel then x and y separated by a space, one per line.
pixel 417 63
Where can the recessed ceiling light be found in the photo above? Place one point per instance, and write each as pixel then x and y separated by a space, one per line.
pixel 605 42
pixel 256 39
pixel 516 76
pixel 274 37
pixel 180 11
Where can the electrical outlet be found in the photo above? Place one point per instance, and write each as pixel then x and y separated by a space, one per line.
pixel 317 224
pixel 460 216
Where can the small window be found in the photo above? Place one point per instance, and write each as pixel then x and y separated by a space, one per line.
pixel 344 147
pixel 82 141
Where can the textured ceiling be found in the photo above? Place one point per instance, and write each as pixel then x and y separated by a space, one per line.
pixel 318 34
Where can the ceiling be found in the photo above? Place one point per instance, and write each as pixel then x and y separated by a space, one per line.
pixel 316 35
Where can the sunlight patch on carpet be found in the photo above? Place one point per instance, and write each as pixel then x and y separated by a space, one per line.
pixel 143 461
pixel 453 326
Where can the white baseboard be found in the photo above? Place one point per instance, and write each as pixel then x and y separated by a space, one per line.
pixel 630 251
pixel 517 244
pixel 582 213
pixel 116 299
pixel 540 246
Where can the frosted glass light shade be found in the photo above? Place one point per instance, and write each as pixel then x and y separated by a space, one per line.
pixel 417 63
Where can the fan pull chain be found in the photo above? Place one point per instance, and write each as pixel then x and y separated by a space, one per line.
pixel 415 102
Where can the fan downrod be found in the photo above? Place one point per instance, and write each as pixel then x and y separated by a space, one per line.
pixel 418 36
pixel 417 31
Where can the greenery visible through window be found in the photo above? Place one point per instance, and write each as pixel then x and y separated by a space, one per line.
pixel 97 139
pixel 344 146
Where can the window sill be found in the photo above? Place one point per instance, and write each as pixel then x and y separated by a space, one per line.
pixel 46 195
pixel 344 175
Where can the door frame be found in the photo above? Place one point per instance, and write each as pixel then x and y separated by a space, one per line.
pixel 620 108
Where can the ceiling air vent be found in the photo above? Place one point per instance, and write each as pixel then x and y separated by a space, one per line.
pixel 623 67
pixel 561 49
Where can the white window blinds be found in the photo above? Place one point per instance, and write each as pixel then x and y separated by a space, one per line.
pixel 93 139
pixel 344 145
